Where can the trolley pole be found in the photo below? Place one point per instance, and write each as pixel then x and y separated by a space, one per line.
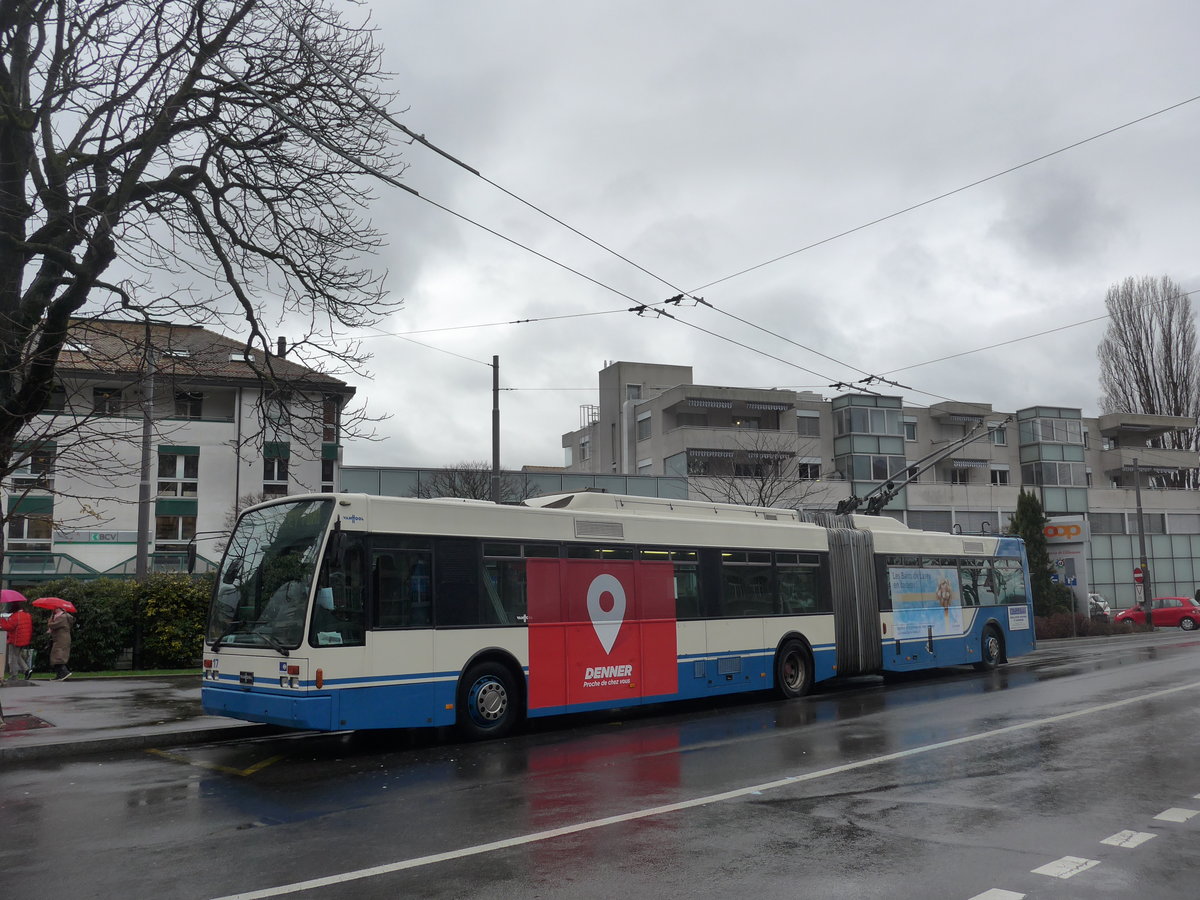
pixel 1147 579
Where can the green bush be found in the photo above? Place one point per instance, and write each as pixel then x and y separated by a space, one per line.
pixel 174 608
pixel 104 621
pixel 170 607
pixel 1060 625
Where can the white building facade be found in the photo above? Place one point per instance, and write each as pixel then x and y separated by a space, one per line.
pixel 216 440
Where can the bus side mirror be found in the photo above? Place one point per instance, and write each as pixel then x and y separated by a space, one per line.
pixel 191 557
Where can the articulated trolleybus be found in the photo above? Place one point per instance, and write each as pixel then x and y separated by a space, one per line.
pixel 347 611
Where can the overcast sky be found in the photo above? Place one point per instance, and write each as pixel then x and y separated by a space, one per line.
pixel 700 139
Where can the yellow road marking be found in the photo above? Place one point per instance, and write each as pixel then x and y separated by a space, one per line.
pixel 215 767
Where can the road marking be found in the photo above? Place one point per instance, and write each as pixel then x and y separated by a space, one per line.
pixel 215 767
pixel 1067 867
pixel 694 803
pixel 998 894
pixel 1175 814
pixel 1128 839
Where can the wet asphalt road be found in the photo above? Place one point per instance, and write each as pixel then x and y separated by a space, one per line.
pixel 955 785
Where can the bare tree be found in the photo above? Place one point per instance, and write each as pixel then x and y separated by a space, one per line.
pixel 1148 358
pixel 194 160
pixel 762 469
pixel 471 481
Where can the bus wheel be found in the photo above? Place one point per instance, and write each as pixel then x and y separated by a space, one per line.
pixel 991 649
pixel 487 702
pixel 793 670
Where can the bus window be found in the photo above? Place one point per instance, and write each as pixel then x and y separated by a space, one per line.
pixel 798 592
pixel 337 617
pixel 401 583
pixel 504 591
pixel 1010 580
pixel 586 551
pixel 746 584
pixel 686 579
pixel 977 583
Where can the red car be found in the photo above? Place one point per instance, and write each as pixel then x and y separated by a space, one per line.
pixel 1167 611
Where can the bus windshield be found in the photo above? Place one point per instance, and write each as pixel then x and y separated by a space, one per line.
pixel 266 578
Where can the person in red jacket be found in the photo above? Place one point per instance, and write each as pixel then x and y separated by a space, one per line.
pixel 20 635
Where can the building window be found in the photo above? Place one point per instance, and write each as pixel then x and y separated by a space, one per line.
pixel 36 473
pixel 1107 523
pixel 173 532
pixel 585 449
pixel 910 431
pixel 188 405
pixel 1052 431
pixel 999 437
pixel 808 471
pixel 178 474
pixel 645 467
pixel 331 418
pixel 691 420
pixel 808 426
pixel 960 476
pixel 275 476
pixel 633 392
pixel 278 416
pixel 750 423
pixel 999 477
pixel 643 426
pixel 327 466
pixel 867 420
pixel 32 532
pixel 106 401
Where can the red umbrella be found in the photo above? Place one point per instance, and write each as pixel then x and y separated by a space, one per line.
pixel 54 603
pixel 11 596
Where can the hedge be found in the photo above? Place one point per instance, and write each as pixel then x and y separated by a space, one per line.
pixel 172 612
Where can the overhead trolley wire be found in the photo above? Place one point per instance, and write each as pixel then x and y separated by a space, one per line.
pixel 951 193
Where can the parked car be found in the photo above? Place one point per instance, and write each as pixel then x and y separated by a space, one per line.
pixel 1166 612
pixel 1098 608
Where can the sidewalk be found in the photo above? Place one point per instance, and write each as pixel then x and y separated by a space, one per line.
pixel 88 715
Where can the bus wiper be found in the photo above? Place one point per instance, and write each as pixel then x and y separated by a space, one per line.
pixel 229 629
pixel 270 639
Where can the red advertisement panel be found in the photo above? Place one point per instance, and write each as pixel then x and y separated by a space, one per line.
pixel 600 631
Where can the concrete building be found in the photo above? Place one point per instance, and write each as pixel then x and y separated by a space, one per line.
pixel 215 439
pixel 807 451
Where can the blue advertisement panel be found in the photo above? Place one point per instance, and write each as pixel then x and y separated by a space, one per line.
pixel 925 599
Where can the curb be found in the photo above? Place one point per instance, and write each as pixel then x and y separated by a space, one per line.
pixel 84 747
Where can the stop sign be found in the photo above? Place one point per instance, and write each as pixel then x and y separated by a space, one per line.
pixel 1138 575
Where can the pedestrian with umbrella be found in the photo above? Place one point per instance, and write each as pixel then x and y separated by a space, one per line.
pixel 59 630
pixel 19 626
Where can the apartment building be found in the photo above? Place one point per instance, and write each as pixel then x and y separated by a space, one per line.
pixel 214 439
pixel 654 420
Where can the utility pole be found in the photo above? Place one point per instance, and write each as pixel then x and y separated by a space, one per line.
pixel 495 429
pixel 142 560
pixel 1147 577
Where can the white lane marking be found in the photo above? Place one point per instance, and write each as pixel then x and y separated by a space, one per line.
pixel 1066 867
pixel 998 894
pixel 694 803
pixel 1175 814
pixel 1128 839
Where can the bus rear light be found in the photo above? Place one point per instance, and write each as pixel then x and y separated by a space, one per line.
pixel 320 679
pixel 293 670
pixel 208 664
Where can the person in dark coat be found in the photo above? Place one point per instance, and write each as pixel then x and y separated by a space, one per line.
pixel 59 630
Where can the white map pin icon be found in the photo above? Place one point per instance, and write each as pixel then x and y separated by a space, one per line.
pixel 607 624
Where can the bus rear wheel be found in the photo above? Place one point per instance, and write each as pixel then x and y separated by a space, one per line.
pixel 793 670
pixel 488 702
pixel 991 649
